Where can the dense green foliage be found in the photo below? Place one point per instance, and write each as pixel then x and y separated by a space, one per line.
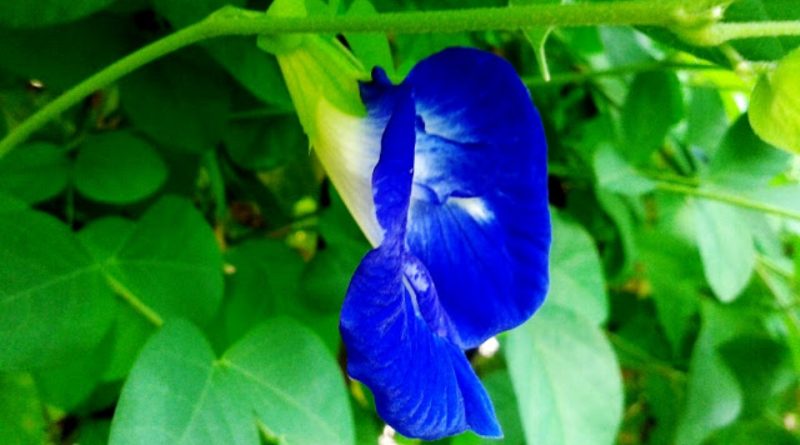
pixel 172 260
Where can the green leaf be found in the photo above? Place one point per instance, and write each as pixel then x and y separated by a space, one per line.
pixel 34 172
pixel 753 432
pixel 615 174
pixel 256 70
pixel 765 48
pixel 566 379
pixel 673 268
pixel 71 383
pixel 258 144
pixel 170 261
pixel 279 373
pixel 646 125
pixel 714 398
pixel 118 168
pixel 64 54
pixel 371 49
pixel 775 105
pixel 46 12
pixel 706 119
pixel 180 101
pixel 92 433
pixel 21 413
pixel 182 13
pixel 743 162
pixel 177 394
pixel 292 383
pixel 763 368
pixel 498 385
pixel 576 276
pixel 265 280
pixel 54 301
pixel 726 247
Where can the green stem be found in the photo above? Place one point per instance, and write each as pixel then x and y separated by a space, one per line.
pixel 235 21
pixel 211 164
pixel 723 32
pixel 726 198
pixel 636 68
pixel 144 310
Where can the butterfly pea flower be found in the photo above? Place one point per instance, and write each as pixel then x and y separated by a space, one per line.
pixel 445 173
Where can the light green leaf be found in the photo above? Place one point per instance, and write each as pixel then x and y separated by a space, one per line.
pixel 775 105
pixel 646 125
pixel 615 174
pixel 176 394
pixel 24 14
pixel 566 378
pixel 371 49
pixel 293 384
pixel 21 413
pixel 576 276
pixel 53 298
pixel 34 172
pixel 279 379
pixel 726 247
pixel 706 119
pixel 118 168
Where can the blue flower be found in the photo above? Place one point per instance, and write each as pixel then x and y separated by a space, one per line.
pixel 446 176
pixel 459 191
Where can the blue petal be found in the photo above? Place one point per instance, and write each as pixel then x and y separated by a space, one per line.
pixel 478 218
pixel 423 384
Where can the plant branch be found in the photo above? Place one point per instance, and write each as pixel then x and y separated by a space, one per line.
pixel 235 21
pixel 726 198
pixel 135 303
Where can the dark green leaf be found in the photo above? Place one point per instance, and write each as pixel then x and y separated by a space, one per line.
pixel 170 261
pixel 182 102
pixel 753 432
pixel 46 12
pixel 34 172
pixel 264 281
pixel 53 298
pixel 714 398
pixel 21 413
pixel 644 123
pixel 64 54
pixel 118 168
pixel 263 144
pixel 566 379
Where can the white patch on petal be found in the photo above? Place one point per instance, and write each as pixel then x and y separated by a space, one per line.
pixel 475 207
pixel 349 148
pixel 489 348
